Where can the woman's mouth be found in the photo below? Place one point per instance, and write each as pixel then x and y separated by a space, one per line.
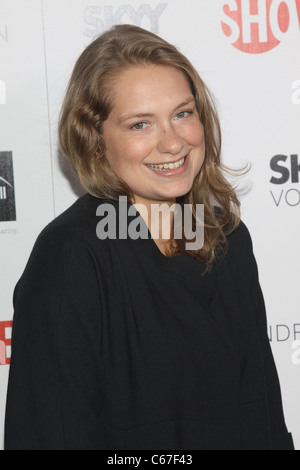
pixel 168 166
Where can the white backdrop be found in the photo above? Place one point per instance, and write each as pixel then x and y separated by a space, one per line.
pixel 247 51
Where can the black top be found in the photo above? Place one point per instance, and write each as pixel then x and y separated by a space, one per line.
pixel 116 346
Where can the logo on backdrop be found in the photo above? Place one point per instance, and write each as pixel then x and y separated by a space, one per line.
pixel 7 191
pixel 283 333
pixel 103 18
pixel 257 26
pixel 5 342
pixel 296 353
pixel 286 177
pixel 287 334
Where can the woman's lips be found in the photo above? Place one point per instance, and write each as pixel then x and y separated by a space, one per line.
pixel 170 169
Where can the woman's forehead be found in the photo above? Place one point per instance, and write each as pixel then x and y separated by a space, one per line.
pixel 141 88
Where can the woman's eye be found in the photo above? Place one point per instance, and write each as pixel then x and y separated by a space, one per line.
pixel 140 126
pixel 183 114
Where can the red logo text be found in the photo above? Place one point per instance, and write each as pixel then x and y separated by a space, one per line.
pixel 257 26
pixel 5 342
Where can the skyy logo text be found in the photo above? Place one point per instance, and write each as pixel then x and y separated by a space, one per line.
pixel 103 18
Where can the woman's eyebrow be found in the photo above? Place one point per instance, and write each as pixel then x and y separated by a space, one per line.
pixel 139 115
pixel 186 103
pixel 134 116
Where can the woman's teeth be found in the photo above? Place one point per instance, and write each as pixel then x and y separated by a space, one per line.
pixel 168 166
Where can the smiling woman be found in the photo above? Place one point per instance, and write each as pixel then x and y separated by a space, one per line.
pixel 164 152
pixel 135 343
pixel 135 107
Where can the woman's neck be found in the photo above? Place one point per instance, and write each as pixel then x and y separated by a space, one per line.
pixel 159 217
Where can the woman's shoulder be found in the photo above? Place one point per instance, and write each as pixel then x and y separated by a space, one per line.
pixel 75 224
pixel 240 239
pixel 69 240
pixel 240 254
pixel 70 235
pixel 237 234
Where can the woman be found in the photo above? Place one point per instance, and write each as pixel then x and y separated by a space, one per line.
pixel 127 342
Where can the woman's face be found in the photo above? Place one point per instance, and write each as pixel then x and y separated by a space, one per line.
pixel 154 138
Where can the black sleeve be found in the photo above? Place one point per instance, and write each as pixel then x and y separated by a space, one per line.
pixel 55 390
pixel 280 438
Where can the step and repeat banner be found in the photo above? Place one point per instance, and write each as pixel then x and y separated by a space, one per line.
pixel 247 51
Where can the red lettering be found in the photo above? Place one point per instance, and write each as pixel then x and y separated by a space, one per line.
pixel 298 9
pixel 5 342
pixel 257 26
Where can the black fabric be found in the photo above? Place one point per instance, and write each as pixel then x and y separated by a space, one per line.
pixel 116 346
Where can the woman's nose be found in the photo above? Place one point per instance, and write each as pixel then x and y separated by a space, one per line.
pixel 169 141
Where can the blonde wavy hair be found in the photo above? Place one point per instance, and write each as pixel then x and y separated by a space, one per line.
pixel 87 105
